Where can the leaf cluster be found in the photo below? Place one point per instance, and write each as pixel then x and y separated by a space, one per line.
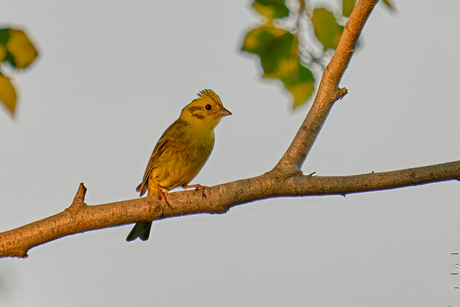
pixel 281 42
pixel 17 51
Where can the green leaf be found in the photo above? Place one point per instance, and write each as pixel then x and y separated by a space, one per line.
pixel 327 30
pixel 7 93
pixel 4 36
pixel 16 48
pixel 2 53
pixel 300 83
pixel 278 53
pixel 347 7
pixel 271 8
pixel 20 50
pixel 275 47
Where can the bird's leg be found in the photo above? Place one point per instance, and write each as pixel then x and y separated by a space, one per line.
pixel 197 187
pixel 162 194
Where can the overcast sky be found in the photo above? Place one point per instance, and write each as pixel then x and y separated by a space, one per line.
pixel 112 75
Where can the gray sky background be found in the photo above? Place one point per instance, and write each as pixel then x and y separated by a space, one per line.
pixel 113 75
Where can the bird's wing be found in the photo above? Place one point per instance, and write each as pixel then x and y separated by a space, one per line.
pixel 160 147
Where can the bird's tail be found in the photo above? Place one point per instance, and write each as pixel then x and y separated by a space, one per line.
pixel 142 188
pixel 141 230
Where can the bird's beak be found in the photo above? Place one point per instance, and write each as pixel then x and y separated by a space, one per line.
pixel 224 112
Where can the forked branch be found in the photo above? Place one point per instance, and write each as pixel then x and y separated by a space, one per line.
pixel 328 90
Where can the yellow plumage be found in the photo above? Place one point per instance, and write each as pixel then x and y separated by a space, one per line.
pixel 181 151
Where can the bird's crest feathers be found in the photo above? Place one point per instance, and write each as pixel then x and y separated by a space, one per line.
pixel 210 94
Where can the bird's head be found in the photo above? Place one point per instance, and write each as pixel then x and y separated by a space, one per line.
pixel 205 111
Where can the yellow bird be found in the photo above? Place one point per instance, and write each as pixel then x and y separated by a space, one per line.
pixel 181 152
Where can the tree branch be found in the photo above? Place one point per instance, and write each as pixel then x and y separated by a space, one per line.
pixel 328 90
pixel 219 199
pixel 285 179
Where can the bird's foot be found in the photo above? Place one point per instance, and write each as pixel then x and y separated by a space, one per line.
pixel 197 187
pixel 162 195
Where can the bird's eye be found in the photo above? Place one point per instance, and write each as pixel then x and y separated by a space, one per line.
pixel 208 107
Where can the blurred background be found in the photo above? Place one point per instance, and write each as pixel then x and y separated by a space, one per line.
pixel 111 77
